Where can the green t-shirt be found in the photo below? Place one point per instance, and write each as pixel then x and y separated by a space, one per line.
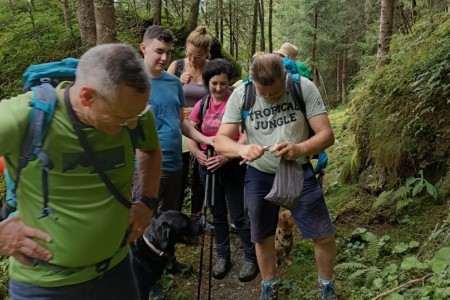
pixel 270 123
pixel 91 223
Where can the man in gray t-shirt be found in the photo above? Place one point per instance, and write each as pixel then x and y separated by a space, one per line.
pixel 275 120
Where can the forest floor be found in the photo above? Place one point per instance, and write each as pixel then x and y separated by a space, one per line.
pixel 228 288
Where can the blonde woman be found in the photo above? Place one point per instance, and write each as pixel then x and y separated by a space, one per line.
pixel 189 70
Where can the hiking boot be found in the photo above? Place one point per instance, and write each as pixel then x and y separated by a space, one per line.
pixel 156 293
pixel 327 291
pixel 221 268
pixel 248 271
pixel 175 267
pixel 269 291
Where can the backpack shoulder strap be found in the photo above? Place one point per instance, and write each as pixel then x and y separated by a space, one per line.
pixel 179 67
pixel 295 88
pixel 249 101
pixel 204 105
pixel 42 111
pixel 294 83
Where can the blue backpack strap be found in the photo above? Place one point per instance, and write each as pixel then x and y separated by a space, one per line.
pixel 42 110
pixel 249 101
pixel 322 162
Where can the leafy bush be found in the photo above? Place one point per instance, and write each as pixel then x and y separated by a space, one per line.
pixel 400 108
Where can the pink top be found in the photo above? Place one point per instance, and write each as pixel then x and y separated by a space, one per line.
pixel 212 118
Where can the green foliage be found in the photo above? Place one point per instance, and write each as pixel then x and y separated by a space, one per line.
pixel 441 260
pixel 402 197
pixel 417 185
pixel 396 105
pixel 404 247
pixel 4 264
pixel 30 37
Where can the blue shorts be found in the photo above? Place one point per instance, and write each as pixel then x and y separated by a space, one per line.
pixel 312 216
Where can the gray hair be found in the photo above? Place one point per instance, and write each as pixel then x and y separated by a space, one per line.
pixel 105 67
pixel 267 68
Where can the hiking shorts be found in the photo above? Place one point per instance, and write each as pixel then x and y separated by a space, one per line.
pixel 312 217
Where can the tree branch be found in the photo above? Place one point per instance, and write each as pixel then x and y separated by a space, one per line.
pixel 421 279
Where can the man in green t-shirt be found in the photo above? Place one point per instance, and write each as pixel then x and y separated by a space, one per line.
pixel 276 121
pixel 80 250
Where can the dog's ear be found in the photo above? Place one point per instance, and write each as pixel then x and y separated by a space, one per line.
pixel 165 231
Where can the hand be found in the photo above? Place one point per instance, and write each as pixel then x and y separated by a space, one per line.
pixel 209 140
pixel 138 219
pixel 185 78
pixel 287 150
pixel 216 162
pixel 18 240
pixel 201 157
pixel 186 112
pixel 252 152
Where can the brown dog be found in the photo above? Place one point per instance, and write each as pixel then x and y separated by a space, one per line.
pixel 284 237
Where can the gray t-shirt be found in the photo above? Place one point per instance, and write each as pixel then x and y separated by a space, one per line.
pixel 270 123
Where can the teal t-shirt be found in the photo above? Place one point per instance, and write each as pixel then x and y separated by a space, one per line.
pixel 91 223
pixel 166 100
pixel 269 123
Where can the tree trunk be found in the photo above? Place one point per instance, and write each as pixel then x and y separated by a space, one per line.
pixel 368 12
pixel 30 9
pixel 230 27
pixel 270 25
pixel 67 18
pixel 338 76
pixel 344 77
pixel 314 46
pixel 254 27
pixel 86 22
pixel 157 14
pixel 386 25
pixel 413 9
pixel 448 6
pixel 193 18
pixel 261 23
pixel 221 21
pixel 105 21
pixel 406 27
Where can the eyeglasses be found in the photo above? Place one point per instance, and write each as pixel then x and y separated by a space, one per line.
pixel 192 56
pixel 128 121
pixel 271 92
pixel 135 119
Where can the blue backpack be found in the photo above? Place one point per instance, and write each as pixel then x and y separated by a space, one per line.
pixel 293 86
pixel 41 79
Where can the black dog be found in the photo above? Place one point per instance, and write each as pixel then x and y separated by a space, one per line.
pixel 151 252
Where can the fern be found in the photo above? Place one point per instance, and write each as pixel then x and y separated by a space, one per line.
pixel 373 248
pixel 402 192
pixel 368 275
pixel 402 203
pixel 383 199
pixel 349 266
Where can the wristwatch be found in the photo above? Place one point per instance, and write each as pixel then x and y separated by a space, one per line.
pixel 150 202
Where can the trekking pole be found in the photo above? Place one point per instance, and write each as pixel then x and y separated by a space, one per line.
pixel 205 211
pixel 213 186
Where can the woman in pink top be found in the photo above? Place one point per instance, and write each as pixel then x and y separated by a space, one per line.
pixel 227 174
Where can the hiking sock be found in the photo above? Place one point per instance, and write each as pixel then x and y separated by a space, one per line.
pixel 269 282
pixel 324 281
